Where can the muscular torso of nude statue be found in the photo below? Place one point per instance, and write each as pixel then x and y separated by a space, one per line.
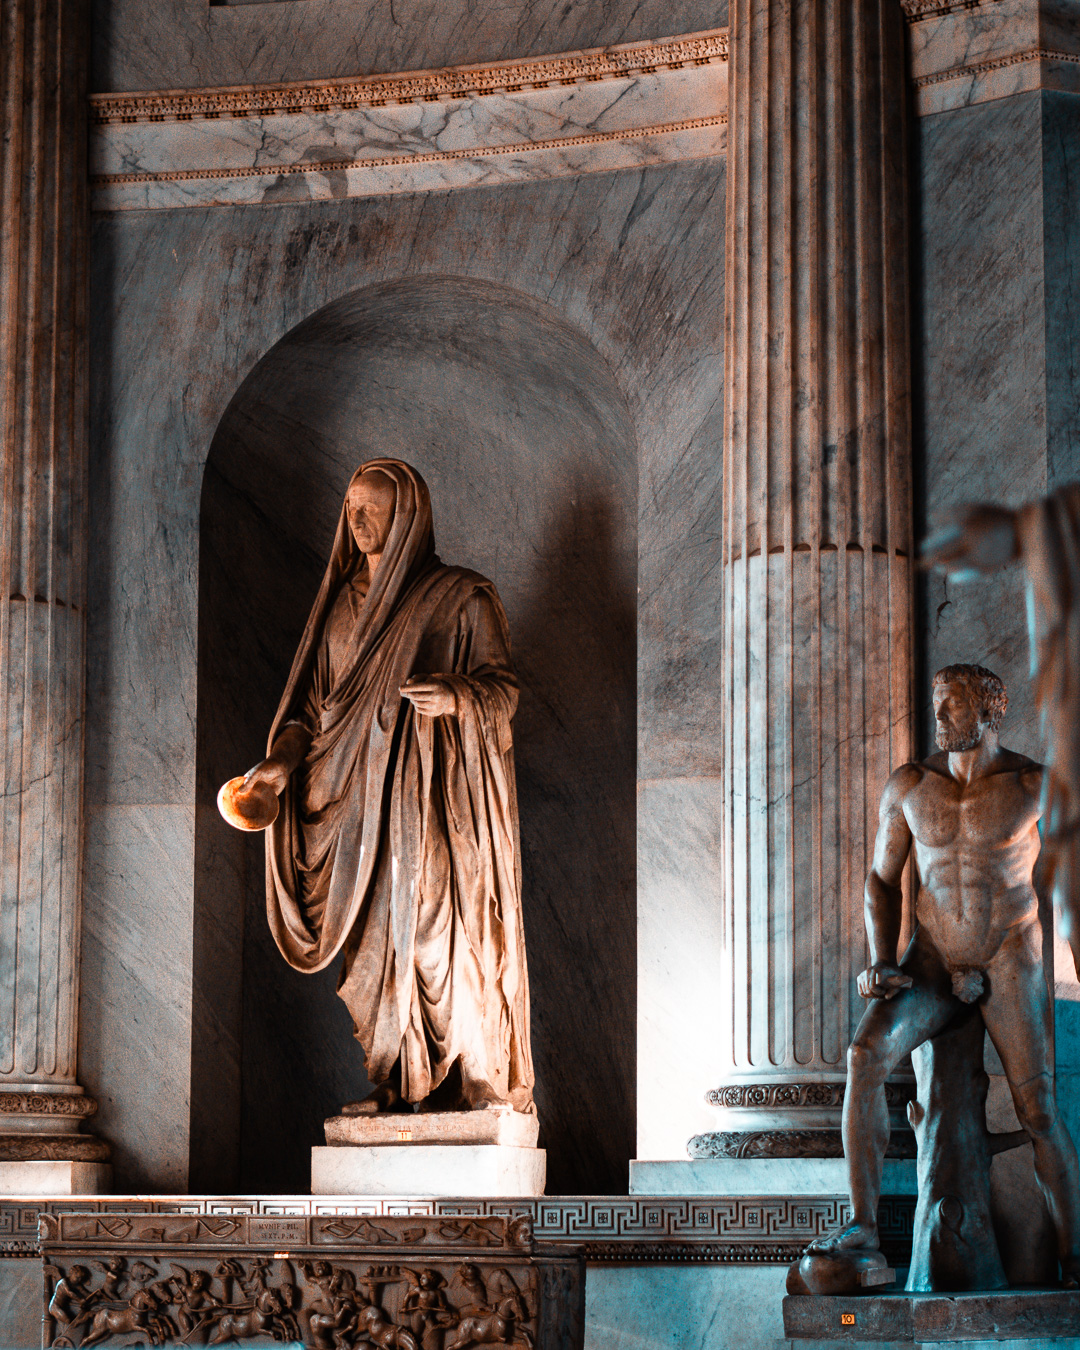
pixel 976 846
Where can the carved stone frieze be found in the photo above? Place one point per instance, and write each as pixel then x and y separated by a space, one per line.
pixel 785 1144
pixel 914 10
pixel 46 1104
pixel 414 1282
pixel 628 1229
pixel 460 82
pixel 757 1096
pixel 52 1148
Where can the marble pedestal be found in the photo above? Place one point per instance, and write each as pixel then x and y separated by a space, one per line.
pixel 48 1178
pixel 428 1170
pixel 438 1153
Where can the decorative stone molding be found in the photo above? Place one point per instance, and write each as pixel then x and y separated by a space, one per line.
pixel 977 68
pixel 52 1148
pixel 914 10
pixel 545 117
pixel 756 1096
pixel 786 1144
pixel 743 1230
pixel 962 54
pixel 46 1104
pixel 421 86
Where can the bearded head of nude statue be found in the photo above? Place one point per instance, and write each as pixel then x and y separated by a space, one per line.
pixel 968 701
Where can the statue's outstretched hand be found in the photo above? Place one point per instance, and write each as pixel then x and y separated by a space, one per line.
pixel 271 771
pixel 430 694
pixel 883 980
pixel 972 539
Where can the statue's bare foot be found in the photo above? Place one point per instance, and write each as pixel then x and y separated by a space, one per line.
pixel 481 1096
pixel 851 1237
pixel 386 1097
pixel 1070 1272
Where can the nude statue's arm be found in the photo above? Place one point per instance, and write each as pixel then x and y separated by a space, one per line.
pixel 883 897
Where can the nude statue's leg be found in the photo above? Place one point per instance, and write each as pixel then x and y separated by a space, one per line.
pixel 889 1030
pixel 1018 1017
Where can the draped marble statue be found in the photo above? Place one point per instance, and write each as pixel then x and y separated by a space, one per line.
pixel 396 843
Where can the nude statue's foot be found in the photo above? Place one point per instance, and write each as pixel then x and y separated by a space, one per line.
pixel 386 1097
pixel 852 1237
pixel 1070 1272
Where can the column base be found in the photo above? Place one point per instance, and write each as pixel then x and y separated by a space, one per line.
pixel 428 1170
pixel 49 1177
pixel 761 1176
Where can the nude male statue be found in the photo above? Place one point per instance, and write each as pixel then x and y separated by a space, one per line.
pixel 971 812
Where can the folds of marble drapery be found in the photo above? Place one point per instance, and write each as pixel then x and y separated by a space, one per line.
pixel 397 841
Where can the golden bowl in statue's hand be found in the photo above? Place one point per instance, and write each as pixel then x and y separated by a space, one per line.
pixel 255 809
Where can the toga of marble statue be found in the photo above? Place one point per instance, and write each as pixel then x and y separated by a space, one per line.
pixel 396 843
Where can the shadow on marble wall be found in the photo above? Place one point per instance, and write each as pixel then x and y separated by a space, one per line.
pixel 525 440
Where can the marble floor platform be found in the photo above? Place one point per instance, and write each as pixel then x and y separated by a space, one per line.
pixel 1026 1317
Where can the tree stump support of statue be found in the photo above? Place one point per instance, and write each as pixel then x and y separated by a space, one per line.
pixel 389 803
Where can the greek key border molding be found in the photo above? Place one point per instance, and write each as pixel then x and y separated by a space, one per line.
pixel 425 86
pixel 743 1230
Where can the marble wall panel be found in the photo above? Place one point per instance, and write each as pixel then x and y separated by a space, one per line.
pixel 684 1307
pixel 187 302
pixel 680 993
pixel 979 354
pixel 179 44
pixel 136 987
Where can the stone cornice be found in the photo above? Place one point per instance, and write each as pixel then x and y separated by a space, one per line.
pixel 396 161
pixel 975 69
pixel 423 86
pixel 914 10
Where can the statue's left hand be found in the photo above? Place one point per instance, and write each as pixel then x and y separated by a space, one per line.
pixel 430 694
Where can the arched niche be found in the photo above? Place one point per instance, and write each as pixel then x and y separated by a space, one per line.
pixel 519 428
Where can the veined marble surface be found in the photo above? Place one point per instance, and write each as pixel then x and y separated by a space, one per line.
pixel 992 50
pixel 431 131
pixel 184 44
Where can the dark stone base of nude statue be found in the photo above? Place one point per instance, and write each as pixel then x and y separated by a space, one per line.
pixel 953 1245
pixel 1020 1315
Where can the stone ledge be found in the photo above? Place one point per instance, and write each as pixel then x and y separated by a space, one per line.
pixel 618 1229
pixel 1006 1316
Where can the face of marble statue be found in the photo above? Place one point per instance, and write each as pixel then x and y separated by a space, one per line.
pixel 960 724
pixel 371 511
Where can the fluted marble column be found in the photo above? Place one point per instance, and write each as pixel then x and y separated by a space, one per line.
pixel 43 407
pixel 817 546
